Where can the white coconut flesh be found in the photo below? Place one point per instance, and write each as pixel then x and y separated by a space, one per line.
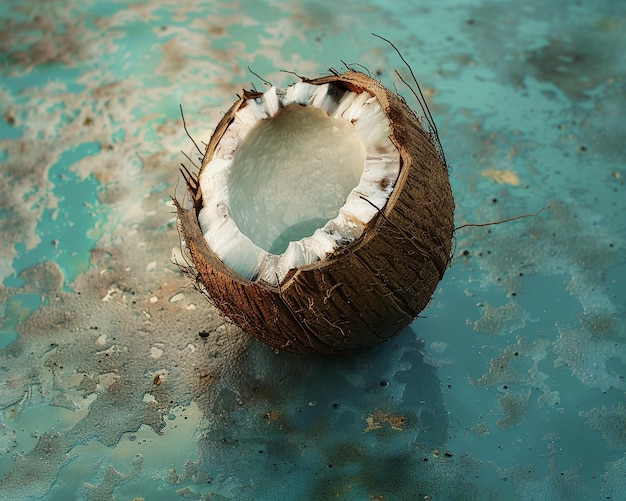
pixel 298 173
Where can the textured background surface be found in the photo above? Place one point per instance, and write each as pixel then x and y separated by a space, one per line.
pixel 512 387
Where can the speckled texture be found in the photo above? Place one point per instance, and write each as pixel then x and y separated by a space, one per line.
pixel 117 379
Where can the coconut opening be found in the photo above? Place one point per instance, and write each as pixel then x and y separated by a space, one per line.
pixel 291 175
pixel 297 174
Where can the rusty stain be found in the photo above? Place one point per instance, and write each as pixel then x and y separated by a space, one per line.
pixel 379 418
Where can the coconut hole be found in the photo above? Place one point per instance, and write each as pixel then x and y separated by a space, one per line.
pixel 291 175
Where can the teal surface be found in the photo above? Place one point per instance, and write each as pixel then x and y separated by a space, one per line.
pixel 119 381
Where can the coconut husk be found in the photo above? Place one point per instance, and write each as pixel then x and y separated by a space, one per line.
pixel 366 291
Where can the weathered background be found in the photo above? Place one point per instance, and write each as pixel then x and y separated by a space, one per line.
pixel 118 380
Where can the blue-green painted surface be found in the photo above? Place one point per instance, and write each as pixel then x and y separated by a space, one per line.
pixel 511 387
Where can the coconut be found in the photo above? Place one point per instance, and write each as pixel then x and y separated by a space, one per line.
pixel 322 217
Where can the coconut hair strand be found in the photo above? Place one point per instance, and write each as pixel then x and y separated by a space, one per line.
pixel 187 132
pixel 419 97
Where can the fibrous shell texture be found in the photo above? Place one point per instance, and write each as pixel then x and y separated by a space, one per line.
pixel 368 288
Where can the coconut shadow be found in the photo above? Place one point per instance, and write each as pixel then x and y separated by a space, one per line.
pixel 335 418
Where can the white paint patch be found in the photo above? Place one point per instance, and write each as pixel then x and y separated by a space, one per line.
pixel 439 346
pixel 156 352
pixel 113 290
pixel 106 380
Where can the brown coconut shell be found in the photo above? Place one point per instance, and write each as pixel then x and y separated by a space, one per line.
pixel 368 290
